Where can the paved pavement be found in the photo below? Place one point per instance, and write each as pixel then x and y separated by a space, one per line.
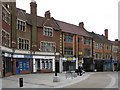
pixel 45 80
pixel 98 80
pixel 41 80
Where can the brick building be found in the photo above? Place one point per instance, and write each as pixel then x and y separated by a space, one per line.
pixel 115 54
pixel 102 51
pixel 33 44
pixel 73 37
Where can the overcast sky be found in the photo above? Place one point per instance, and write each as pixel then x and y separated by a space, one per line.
pixel 97 15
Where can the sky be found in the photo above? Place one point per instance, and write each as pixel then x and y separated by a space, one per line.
pixel 97 15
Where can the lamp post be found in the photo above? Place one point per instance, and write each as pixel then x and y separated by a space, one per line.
pixel 55 62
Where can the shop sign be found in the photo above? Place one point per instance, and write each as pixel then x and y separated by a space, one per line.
pixel 18 56
pixel 28 56
pixel 107 61
pixel 80 52
pixel 69 58
pixel 7 55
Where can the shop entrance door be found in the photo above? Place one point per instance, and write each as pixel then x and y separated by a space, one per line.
pixel 17 67
pixel 4 68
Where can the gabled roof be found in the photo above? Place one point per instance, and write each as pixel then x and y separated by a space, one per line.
pixel 40 20
pixel 99 38
pixel 70 28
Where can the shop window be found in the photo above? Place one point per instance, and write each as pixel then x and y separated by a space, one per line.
pixel 68 38
pixel 48 31
pixel 24 65
pixel 7 65
pixel 43 65
pixel 46 65
pixel 50 65
pixel 87 52
pixel 38 64
pixel 68 51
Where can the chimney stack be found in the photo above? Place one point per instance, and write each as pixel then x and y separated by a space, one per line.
pixel 33 7
pixel 81 24
pixel 106 34
pixel 47 14
pixel 116 39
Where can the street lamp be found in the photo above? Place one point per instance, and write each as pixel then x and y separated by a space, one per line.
pixel 55 61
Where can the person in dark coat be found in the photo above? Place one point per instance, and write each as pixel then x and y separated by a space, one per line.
pixel 80 70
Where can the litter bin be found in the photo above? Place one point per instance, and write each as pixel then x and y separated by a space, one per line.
pixel 21 82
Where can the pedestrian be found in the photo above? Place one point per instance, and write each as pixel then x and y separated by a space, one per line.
pixel 80 70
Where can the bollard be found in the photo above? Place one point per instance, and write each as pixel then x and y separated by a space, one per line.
pixel 21 82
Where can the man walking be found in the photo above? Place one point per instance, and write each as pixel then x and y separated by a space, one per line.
pixel 80 70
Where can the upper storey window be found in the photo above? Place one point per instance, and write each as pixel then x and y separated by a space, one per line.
pixel 21 25
pixel 98 46
pixel 5 38
pixel 68 38
pixel 108 47
pixel 87 41
pixel 48 31
pixel 5 15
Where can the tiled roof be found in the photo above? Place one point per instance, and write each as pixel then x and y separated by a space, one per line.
pixel 70 28
pixel 40 20
pixel 99 38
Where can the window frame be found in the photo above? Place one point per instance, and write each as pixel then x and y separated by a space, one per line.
pixel 44 31
pixel 44 48
pixel 23 44
pixel 68 50
pixel 21 25
pixel 68 38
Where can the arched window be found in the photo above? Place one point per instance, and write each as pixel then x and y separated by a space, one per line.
pixel 50 65
pixel 46 65
pixel 43 65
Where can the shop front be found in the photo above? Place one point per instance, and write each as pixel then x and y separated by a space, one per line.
pixel 108 65
pixel 6 64
pixel 22 64
pixel 68 64
pixel 43 64
pixel 88 64
pixel 98 65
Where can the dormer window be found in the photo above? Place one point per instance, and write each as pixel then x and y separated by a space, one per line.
pixel 21 25
pixel 48 31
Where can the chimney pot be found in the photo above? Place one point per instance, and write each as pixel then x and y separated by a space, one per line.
pixel 47 14
pixel 116 39
pixel 33 7
pixel 81 24
pixel 106 34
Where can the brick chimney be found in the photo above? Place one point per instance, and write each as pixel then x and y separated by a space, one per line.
pixel 116 39
pixel 81 24
pixel 106 34
pixel 47 14
pixel 33 19
pixel 33 7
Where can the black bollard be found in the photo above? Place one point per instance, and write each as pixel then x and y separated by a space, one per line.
pixel 21 82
